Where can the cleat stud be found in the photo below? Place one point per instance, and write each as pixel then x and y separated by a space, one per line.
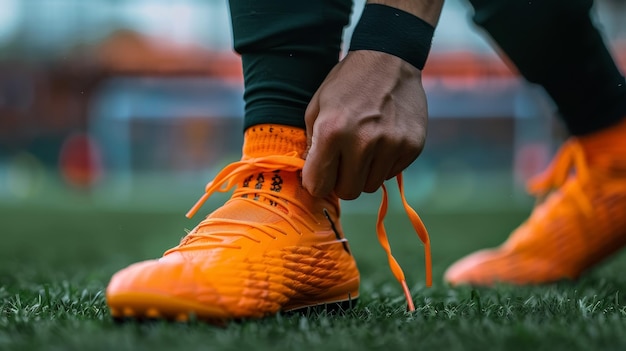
pixel 115 313
pixel 153 313
pixel 128 312
pixel 182 317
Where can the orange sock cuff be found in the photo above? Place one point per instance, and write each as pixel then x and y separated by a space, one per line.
pixel 273 139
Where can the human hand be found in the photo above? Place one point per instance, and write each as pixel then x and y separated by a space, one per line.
pixel 365 124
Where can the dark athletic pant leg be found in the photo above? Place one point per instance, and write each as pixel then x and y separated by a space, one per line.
pixel 555 44
pixel 287 48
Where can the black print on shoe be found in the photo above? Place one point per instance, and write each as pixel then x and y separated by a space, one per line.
pixel 277 182
pixel 260 179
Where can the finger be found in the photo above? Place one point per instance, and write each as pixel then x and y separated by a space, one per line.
pixel 400 165
pixel 319 173
pixel 380 167
pixel 405 159
pixel 354 169
pixel 310 116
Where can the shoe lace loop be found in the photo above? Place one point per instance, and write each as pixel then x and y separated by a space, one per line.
pixel 231 174
pixel 569 158
pixel 225 180
pixel 234 172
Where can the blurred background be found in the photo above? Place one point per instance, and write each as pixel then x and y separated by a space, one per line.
pixel 136 104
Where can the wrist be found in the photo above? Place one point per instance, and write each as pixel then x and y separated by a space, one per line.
pixel 428 10
pixel 393 31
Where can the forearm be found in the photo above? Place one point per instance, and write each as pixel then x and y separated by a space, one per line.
pixel 428 10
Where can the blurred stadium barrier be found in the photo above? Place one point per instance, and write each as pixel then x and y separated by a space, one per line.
pixel 164 137
pixel 151 114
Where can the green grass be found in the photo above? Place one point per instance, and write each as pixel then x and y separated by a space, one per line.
pixel 55 264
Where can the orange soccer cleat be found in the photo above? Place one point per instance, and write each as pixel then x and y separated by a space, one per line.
pixel 579 221
pixel 272 247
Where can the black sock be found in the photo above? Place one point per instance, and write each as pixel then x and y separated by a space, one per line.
pixel 555 44
pixel 287 49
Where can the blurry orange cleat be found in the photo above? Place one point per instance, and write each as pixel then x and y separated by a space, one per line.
pixel 579 221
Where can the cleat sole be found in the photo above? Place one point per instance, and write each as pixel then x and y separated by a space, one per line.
pixel 155 307
pixel 339 307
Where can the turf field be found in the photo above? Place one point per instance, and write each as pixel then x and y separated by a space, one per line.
pixel 55 263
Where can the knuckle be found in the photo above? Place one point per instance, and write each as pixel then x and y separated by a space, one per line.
pixel 413 147
pixel 334 129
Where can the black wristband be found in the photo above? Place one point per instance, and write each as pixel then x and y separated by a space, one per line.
pixel 395 32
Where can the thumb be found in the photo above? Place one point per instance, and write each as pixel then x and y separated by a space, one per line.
pixel 310 116
pixel 320 166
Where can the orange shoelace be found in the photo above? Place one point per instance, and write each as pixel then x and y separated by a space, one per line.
pixel 571 157
pixel 421 231
pixel 234 173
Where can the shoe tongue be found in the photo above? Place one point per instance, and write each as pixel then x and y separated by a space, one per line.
pixel 283 184
pixel 276 182
pixel 280 190
pixel 270 140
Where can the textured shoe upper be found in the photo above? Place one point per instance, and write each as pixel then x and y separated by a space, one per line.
pixel 276 203
pixel 271 247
